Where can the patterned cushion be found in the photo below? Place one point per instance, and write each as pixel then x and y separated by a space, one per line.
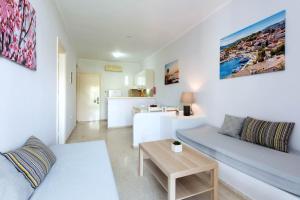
pixel 232 126
pixel 34 160
pixel 274 135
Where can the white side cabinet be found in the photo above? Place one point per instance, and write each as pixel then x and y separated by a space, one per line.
pixel 147 126
pixel 145 79
pixel 161 125
pixel 171 124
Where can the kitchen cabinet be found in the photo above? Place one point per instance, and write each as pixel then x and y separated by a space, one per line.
pixel 145 79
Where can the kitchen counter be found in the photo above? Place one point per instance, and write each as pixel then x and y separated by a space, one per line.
pixel 131 97
pixel 119 109
pixel 144 109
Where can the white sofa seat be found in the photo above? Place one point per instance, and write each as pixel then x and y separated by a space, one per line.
pixel 82 171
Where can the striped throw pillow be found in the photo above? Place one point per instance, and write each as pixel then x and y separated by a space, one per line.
pixel 274 135
pixel 34 160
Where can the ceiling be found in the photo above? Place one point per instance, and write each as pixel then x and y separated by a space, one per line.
pixel 137 28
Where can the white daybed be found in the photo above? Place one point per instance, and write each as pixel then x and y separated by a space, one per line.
pixel 81 171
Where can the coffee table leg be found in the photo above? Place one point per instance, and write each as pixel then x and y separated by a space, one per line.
pixel 141 160
pixel 171 189
pixel 215 182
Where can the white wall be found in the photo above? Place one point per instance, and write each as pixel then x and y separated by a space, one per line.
pixel 272 96
pixel 28 98
pixel 110 80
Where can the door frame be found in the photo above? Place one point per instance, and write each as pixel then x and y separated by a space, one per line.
pixel 77 93
pixel 61 65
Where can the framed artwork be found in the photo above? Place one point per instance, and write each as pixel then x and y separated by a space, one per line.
pixel 18 32
pixel 257 49
pixel 172 73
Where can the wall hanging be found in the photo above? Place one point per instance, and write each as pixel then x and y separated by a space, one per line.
pixel 172 73
pixel 259 48
pixel 17 32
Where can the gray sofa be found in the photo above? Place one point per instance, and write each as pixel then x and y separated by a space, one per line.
pixel 81 171
pixel 270 166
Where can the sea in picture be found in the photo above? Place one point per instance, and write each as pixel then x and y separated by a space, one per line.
pixel 259 48
pixel 231 66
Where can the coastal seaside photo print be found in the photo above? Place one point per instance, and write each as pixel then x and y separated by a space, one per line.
pixel 259 48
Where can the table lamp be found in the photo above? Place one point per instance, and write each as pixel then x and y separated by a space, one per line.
pixel 187 99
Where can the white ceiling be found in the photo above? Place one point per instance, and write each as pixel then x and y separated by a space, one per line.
pixel 135 27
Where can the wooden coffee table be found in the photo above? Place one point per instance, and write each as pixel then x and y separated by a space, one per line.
pixel 183 174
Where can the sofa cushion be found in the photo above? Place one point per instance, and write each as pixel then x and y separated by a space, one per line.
pixel 13 185
pixel 34 160
pixel 232 126
pixel 82 171
pixel 274 135
pixel 273 167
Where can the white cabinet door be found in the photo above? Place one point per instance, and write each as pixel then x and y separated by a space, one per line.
pixel 145 79
pixel 141 81
pixel 149 74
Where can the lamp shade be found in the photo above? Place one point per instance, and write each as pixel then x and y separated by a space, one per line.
pixel 187 98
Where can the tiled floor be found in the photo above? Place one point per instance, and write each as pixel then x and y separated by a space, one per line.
pixel 124 161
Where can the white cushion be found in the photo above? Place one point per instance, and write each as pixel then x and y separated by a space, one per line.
pixel 81 171
pixel 13 185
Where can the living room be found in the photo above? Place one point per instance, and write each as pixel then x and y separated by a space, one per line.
pixel 224 87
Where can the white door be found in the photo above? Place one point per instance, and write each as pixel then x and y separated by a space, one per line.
pixel 88 97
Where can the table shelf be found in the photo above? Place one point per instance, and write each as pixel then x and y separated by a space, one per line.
pixel 186 186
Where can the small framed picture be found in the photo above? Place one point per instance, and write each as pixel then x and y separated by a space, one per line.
pixel 172 73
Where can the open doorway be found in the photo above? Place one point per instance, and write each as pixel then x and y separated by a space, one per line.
pixel 61 93
pixel 88 97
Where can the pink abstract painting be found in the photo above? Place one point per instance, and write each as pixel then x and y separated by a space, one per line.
pixel 17 32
